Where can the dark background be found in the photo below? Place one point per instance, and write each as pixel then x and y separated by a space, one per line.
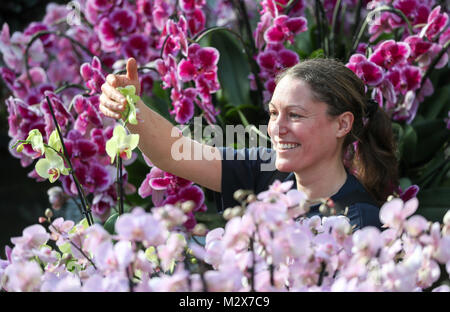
pixel 22 200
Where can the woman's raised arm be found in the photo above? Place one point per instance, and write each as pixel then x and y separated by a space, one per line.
pixel 157 135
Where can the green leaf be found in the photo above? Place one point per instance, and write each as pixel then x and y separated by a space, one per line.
pixel 65 248
pixel 437 103
pixel 319 53
pixel 111 222
pixel 434 203
pixel 408 143
pixel 233 69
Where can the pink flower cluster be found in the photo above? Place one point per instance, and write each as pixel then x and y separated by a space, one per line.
pixel 166 188
pixel 82 56
pixel 199 65
pixel 262 249
pixel 273 30
pixel 395 69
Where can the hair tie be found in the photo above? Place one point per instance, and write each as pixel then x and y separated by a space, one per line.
pixel 372 107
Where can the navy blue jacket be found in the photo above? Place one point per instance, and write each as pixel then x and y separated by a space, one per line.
pixel 249 169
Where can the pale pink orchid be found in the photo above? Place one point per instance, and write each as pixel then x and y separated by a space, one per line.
pixel 395 212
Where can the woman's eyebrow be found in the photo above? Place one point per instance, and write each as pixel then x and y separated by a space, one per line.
pixel 291 106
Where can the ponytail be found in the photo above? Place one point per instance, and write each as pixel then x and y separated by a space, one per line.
pixel 375 160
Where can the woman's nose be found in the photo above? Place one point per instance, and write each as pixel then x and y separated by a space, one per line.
pixel 277 127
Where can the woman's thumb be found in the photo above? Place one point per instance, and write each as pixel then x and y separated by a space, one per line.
pixel 132 72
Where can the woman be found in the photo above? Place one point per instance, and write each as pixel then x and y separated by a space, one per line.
pixel 326 136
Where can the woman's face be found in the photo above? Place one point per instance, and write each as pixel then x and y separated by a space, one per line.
pixel 304 136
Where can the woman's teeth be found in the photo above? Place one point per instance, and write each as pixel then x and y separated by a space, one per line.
pixel 288 146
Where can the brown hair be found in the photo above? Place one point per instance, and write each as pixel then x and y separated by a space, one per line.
pixel 373 158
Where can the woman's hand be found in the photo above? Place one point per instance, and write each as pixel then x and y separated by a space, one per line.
pixel 112 102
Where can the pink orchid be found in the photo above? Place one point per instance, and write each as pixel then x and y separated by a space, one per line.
pixel 141 227
pixel 101 205
pixel 23 277
pixel 93 75
pixel 366 242
pixel 369 72
pixel 418 46
pixel 146 190
pixel 32 237
pixel 196 21
pixel 201 66
pixel 183 103
pixel 390 53
pixel 395 212
pixel 435 24
pixel 109 257
pixel 174 37
pixel 137 46
pixel 172 250
pixel 162 9
pixel 285 28
pixel 409 192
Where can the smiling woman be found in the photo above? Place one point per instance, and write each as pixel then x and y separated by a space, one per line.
pixel 325 140
pixel 328 139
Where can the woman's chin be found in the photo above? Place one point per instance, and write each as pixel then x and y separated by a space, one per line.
pixel 284 166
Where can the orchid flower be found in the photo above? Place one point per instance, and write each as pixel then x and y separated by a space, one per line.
pixel 121 144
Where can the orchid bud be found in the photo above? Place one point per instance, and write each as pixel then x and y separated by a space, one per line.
pixel 323 209
pixel 236 211
pixel 19 148
pixel 200 229
pixel 48 213
pixel 227 214
pixel 390 197
pixel 251 198
pixel 42 219
pixel 188 206
pixel 240 195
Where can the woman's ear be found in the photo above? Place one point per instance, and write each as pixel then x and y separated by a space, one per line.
pixel 345 124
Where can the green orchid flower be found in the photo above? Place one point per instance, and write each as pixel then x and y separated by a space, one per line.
pixel 52 166
pixel 37 143
pixel 121 144
pixel 55 141
pixel 130 112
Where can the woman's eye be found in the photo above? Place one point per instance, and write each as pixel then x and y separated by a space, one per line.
pixel 272 114
pixel 293 115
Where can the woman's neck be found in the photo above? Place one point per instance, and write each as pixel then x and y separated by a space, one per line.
pixel 322 182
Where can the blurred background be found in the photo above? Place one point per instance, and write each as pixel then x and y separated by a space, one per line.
pixel 22 200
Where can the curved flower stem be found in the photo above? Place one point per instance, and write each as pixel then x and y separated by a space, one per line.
pixel 252 127
pixel 369 16
pixel 357 16
pixel 76 247
pixel 253 65
pixel 70 85
pixel 83 200
pixel 337 8
pixel 325 29
pixel 290 5
pixel 318 22
pixel 433 65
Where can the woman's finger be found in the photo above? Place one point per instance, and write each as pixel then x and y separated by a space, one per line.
pixel 107 112
pixel 111 105
pixel 113 93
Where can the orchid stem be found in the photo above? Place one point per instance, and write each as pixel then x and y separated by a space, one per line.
pixel 119 184
pixel 86 210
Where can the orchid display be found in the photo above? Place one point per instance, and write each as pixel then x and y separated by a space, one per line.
pixel 218 60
